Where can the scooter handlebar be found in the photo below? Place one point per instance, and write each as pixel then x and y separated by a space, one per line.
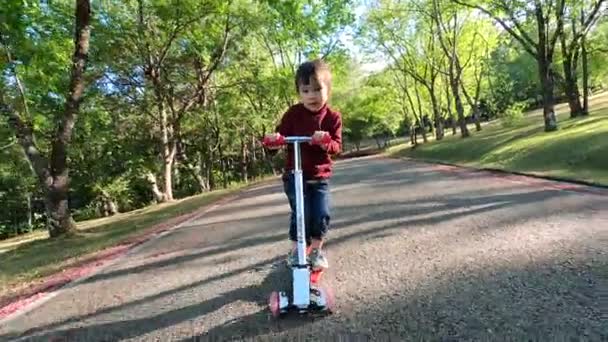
pixel 282 140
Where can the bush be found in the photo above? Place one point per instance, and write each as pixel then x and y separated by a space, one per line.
pixel 513 114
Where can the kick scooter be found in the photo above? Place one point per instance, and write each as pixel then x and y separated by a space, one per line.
pixel 307 295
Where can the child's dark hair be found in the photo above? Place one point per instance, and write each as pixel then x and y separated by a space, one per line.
pixel 317 70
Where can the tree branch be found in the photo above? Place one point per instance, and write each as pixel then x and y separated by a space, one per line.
pixel 592 17
pixel 176 30
pixel 517 24
pixel 217 58
pixel 527 43
pixel 330 48
pixel 76 88
pixel 589 22
pixel 24 133
pixel 560 25
pixel 20 88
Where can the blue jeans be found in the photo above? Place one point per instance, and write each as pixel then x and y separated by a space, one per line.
pixel 316 207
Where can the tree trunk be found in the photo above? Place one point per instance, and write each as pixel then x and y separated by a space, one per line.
pixel 412 136
pixel 55 186
pixel 476 117
pixel 108 206
pixel 60 220
pixel 29 212
pixel 439 132
pixel 571 89
pixel 449 107
pixel 243 162
pixel 169 157
pixel 464 131
pixel 544 59
pixel 408 126
pixel 411 103
pixel 195 171
pixel 585 70
pixel 476 102
pixel 570 86
pixel 473 104
pixel 421 120
pixel 209 170
pixel 202 174
pixel 547 91
pixel 253 161
pixel 158 195
pixel 455 74
pixel 224 173
pixel 223 165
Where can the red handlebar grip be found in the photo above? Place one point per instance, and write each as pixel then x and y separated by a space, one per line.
pixel 326 139
pixel 277 142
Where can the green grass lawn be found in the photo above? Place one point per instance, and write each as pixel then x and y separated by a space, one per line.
pixel 26 258
pixel 578 151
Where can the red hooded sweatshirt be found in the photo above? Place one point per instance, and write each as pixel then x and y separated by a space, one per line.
pixel 316 162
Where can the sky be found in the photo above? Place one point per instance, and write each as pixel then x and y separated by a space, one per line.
pixel 368 63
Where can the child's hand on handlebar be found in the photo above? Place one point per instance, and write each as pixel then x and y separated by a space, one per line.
pixel 270 138
pixel 321 138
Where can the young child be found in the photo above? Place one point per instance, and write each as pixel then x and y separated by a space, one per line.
pixel 311 117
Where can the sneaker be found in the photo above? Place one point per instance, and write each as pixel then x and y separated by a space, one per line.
pixel 318 261
pixel 292 258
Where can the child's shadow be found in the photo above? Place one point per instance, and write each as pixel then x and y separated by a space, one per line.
pixel 261 322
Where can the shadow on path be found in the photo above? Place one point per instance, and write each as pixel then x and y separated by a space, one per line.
pixel 261 322
pixel 402 211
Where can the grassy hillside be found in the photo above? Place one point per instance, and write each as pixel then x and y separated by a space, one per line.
pixel 578 151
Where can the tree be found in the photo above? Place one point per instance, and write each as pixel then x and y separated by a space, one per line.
pixel 479 38
pixel 410 43
pixel 595 58
pixel 157 37
pixel 572 43
pixel 448 34
pixel 509 15
pixel 52 170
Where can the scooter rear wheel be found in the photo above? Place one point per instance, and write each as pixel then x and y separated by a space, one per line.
pixel 274 304
pixel 330 298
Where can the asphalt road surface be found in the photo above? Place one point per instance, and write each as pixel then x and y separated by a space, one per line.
pixel 415 252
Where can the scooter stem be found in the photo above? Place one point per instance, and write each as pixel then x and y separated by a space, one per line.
pixel 299 189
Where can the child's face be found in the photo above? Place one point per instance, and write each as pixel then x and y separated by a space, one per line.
pixel 313 95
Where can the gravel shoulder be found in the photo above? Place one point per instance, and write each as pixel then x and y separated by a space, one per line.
pixel 416 251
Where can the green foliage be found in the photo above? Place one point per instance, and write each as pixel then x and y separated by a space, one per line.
pixel 513 114
pixel 371 110
pixel 116 143
pixel 117 139
pixel 15 191
pixel 597 46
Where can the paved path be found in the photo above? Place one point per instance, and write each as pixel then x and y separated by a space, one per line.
pixel 415 251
